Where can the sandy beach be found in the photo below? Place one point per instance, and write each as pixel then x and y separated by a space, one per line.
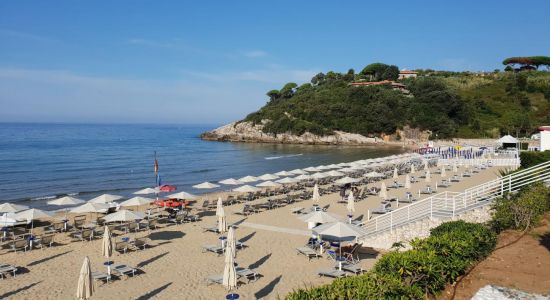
pixel 175 265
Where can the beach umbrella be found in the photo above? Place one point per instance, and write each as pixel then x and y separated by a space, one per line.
pixel 412 169
pixel 222 224
pixel 232 241
pixel 33 214
pixel 206 185
pixel 268 177
pixel 428 176
pixel 105 198
pixel 90 208
pixel 284 173
pixel 67 200
pixel 137 201
pixel 11 208
pixel 319 176
pixel 335 173
pixel 346 180
pixel 147 191
pixel 231 181
pixel 298 172
pixel 167 188
pixel 219 207
pixel 350 170
pixel 124 215
pixel 246 189
pixel 383 191
pixel 268 184
pixel 316 196
pixel 312 169
pixel 455 168
pixel 320 217
pixel 182 195
pixel 443 173
pixel 425 165
pixel 374 174
pixel 85 287
pixel 7 219
pixel 351 203
pixel 333 166
pixel 302 177
pixel 107 246
pixel 407 182
pixel 322 168
pixel 229 279
pixel 248 179
pixel 395 174
pixel 286 180
pixel 338 231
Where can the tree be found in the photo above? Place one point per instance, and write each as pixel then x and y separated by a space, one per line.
pixel 273 95
pixel 318 79
pixel 391 73
pixel 376 70
pixel 288 90
pixel 508 69
pixel 527 62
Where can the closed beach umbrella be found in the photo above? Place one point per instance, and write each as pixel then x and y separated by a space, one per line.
pixel 268 177
pixel 248 179
pixel 67 200
pixel 246 189
pixel 412 169
pixel 351 203
pixel 407 182
pixel 316 196
pixel 219 207
pixel 395 174
pixel 231 181
pixel 229 279
pixel 12 208
pixel 268 184
pixel 425 165
pixel 137 201
pixel 206 185
pixel 107 246
pixel 90 208
pixel 284 173
pixel 286 180
pixel 298 172
pixel 85 287
pixel 346 180
pixel 124 215
pixel 232 241
pixel 455 168
pixel 383 191
pixel 428 176
pixel 147 191
pixel 443 173
pixel 222 224
pixel 105 198
pixel 182 195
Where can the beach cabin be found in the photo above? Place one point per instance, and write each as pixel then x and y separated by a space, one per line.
pixel 407 74
pixel 544 138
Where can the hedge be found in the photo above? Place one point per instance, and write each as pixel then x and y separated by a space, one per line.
pixel 530 158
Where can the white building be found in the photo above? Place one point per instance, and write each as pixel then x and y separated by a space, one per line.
pixel 544 138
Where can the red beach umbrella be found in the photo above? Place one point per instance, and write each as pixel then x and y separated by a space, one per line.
pixel 167 188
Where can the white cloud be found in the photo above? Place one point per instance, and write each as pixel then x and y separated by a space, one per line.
pixel 255 54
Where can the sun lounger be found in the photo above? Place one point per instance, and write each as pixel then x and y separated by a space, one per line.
pixel 297 210
pixel 213 279
pixel 6 268
pixel 211 229
pixel 384 208
pixel 332 273
pixel 251 275
pixel 142 243
pixel 308 252
pixel 467 174
pixel 22 244
pixel 213 248
pixel 426 190
pixel 444 183
pixel 100 276
pixel 349 267
pixel 121 247
pixel 455 179
pixel 124 270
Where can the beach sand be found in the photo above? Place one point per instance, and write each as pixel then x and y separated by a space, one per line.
pixel 176 267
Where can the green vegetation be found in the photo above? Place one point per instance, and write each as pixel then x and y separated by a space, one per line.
pixel 424 270
pixel 450 104
pixel 530 158
pixel 528 61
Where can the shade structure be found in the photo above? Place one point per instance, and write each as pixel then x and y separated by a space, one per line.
pixel 443 172
pixel 231 241
pixel 335 173
pixel 246 189
pixel 268 184
pixel 351 203
pixel 287 180
pixel 33 214
pixel 298 172
pixel 219 207
pixel 206 185
pixel 428 176
pixel 320 217
pixel 407 182
pixel 383 191
pixel 302 177
pixel 222 223
pixel 167 188
pixel 124 215
pixel 231 181
pixel 11 208
pixel 316 196
pixel 147 191
pixel 229 279
pixel 183 195
pixel 137 201
pixel 268 177
pixel 105 198
pixel 346 180
pixel 284 173
pixel 91 208
pixel 374 174
pixel 85 287
pixel 395 174
pixel 67 200
pixel 248 179
pixel 338 231
pixel 319 176
pixel 107 243
pixel 312 169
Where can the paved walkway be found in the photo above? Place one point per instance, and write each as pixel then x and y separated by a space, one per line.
pixel 276 229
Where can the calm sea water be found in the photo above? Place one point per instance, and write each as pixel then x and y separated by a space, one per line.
pixel 41 161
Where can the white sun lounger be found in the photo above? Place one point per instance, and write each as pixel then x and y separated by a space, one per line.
pixel 308 252
pixel 332 273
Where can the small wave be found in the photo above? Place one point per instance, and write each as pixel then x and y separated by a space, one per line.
pixel 203 170
pixel 282 156
pixel 43 198
pixel 72 194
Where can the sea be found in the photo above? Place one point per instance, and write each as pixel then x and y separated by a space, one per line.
pixel 40 162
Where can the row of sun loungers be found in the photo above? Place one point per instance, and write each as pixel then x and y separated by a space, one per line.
pixel 242 273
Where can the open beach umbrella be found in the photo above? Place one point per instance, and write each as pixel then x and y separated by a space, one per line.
pixel 7 220
pixel 248 179
pixel 346 180
pixel 443 172
pixel 268 177
pixel 374 174
pixel 229 279
pixel 205 185
pixel 407 182
pixel 147 191
pixel 335 173
pixel 33 214
pixel 351 203
pixel 319 176
pixel 107 246
pixel 91 208
pixel 312 169
pixel 222 224
pixel 246 189
pixel 302 177
pixel 232 241
pixel 350 169
pixel 322 168
pixel 412 169
pixel 298 172
pixel 67 200
pixel 12 208
pixel 105 198
pixel 85 287
pixel 338 231
pixel 286 180
pixel 268 184
pixel 124 215
pixel 316 196
pixel 231 181
pixel 320 217
pixel 284 173
pixel 219 207
pixel 395 174
pixel 182 195
pixel 167 188
pixel 137 201
pixel 383 191
pixel 428 176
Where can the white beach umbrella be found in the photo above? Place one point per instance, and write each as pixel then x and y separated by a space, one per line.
pixel 383 191
pixel 374 174
pixel 33 214
pixel 147 191
pixel 91 208
pixel 338 231
pixel 426 165
pixel 231 181
pixel 316 196
pixel 346 180
pixel 351 203
pixel 246 189
pixel 105 198
pixel 428 176
pixel 284 173
pixel 231 241
pixel 222 224
pixel 455 168
pixel 407 182
pixel 107 246
pixel 248 179
pixel 335 173
pixel 312 169
pixel 349 170
pixel 395 174
pixel 206 185
pixel 124 215
pixel 334 166
pixel 412 169
pixel 302 177
pixel 219 207
pixel 137 201
pixel 268 184
pixel 229 279
pixel 67 200
pixel 443 172
pixel 85 287
pixel 298 172
pixel 11 208
pixel 268 177
pixel 286 180
pixel 320 217
pixel 183 195
pixel 7 220
pixel 322 168
pixel 319 176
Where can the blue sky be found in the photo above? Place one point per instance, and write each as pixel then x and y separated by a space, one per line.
pixel 213 61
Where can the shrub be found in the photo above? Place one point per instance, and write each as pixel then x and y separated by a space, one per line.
pixel 529 159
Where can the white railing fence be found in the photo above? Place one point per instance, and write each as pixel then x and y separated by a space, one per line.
pixel 450 204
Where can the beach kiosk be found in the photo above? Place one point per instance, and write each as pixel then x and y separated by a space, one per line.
pixel 544 138
pixel 508 141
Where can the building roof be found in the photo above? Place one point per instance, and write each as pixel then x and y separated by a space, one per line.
pixel 507 139
pixel 544 128
pixel 407 72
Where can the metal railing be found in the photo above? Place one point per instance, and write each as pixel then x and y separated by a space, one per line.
pixel 450 204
